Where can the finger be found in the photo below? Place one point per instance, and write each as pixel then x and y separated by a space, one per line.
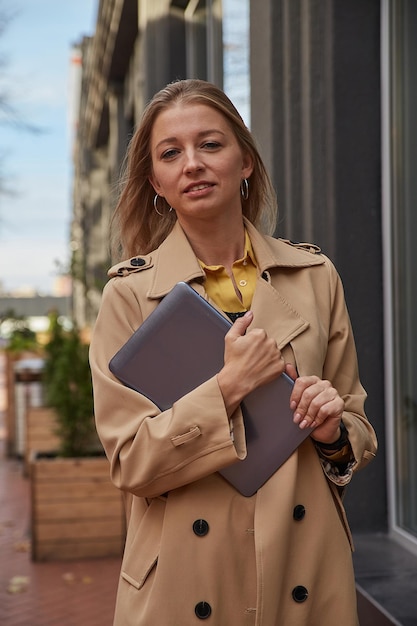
pixel 291 371
pixel 240 326
pixel 330 409
pixel 299 401
pixel 327 404
pixel 313 398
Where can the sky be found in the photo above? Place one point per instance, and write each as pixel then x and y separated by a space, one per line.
pixel 35 51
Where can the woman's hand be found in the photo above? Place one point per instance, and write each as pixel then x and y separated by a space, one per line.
pixel 316 404
pixel 251 359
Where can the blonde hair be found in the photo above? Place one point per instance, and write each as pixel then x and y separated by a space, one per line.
pixel 136 226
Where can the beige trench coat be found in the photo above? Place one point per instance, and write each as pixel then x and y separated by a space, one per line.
pixel 196 549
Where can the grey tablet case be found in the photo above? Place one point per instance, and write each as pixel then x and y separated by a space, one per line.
pixel 181 345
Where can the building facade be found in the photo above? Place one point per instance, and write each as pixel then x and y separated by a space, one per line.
pixel 329 90
pixel 333 91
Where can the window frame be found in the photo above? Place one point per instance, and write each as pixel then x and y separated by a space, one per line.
pixel 391 191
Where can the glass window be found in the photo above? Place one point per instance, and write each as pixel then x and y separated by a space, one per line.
pixel 236 55
pixel 403 20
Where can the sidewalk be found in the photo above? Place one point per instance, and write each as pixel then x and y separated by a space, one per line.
pixel 70 593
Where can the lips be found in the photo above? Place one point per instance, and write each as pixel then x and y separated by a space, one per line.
pixel 197 187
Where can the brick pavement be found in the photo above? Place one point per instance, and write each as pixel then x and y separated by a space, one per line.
pixel 71 593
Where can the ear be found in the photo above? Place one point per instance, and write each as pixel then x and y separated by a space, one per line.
pixel 247 165
pixel 155 184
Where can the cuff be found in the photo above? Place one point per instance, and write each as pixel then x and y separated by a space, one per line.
pixel 338 467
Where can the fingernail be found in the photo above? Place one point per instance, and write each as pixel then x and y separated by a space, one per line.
pixel 297 418
pixel 293 405
pixel 303 424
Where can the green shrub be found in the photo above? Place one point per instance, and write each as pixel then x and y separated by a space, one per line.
pixel 69 391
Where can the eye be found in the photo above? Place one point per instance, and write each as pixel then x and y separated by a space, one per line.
pixel 211 145
pixel 169 154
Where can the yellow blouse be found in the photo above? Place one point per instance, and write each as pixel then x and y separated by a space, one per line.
pixel 219 286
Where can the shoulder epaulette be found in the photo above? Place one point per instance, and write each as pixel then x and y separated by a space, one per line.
pixel 308 247
pixel 135 264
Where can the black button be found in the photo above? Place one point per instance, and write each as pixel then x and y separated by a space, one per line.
pixel 200 527
pixel 137 262
pixel 202 610
pixel 299 512
pixel 300 593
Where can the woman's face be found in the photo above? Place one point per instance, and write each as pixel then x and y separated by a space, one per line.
pixel 197 163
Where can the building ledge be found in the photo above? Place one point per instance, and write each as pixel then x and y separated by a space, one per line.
pixel 386 578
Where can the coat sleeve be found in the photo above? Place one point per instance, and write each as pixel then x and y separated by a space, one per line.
pixel 151 452
pixel 341 368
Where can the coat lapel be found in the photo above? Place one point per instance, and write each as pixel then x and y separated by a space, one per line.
pixel 177 262
pixel 272 313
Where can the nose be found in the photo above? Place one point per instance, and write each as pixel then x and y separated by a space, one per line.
pixel 192 162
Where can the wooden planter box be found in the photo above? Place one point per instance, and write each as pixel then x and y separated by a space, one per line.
pixel 76 511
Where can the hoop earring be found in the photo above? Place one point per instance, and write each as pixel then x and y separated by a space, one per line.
pixel 244 189
pixel 155 205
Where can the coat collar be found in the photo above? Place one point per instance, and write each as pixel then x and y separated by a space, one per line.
pixel 177 261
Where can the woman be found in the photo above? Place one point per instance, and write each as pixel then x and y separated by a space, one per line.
pixel 195 198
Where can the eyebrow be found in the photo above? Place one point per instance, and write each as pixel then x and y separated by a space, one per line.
pixel 202 133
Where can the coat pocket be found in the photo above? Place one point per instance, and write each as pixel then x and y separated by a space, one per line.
pixel 142 555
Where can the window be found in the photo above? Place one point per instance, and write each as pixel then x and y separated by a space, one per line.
pixel 236 55
pixel 403 121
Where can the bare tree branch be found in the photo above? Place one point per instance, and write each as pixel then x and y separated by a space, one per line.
pixel 9 113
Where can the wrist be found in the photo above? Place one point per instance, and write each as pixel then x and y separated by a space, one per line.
pixel 229 390
pixel 340 443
